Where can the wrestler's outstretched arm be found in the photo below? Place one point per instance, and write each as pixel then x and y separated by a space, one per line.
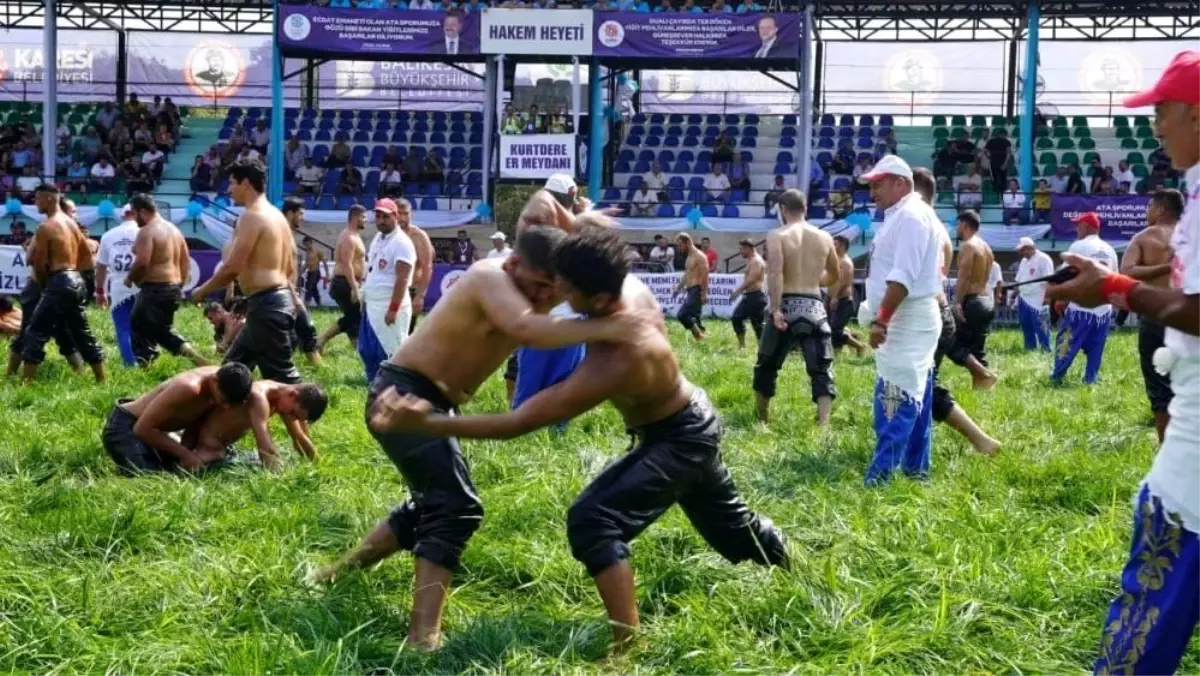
pixel 298 431
pixel 593 383
pixel 260 412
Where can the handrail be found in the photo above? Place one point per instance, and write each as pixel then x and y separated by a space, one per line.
pixel 231 212
pixel 760 243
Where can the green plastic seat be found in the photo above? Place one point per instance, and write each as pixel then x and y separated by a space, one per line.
pixel 959 121
pixel 979 120
pixel 1086 144
pixel 1044 143
pixel 1079 121
pixel 1135 158
pixel 945 198
pixel 999 121
pixel 939 120
pixel 1048 158
pixel 1066 144
pixel 941 133
pixel 1120 121
pixel 1172 183
pixel 939 144
pixel 1059 122
pixel 1088 157
pixel 1145 132
pixel 1139 170
pixel 957 131
pixel 990 199
pixel 977 133
pixel 1150 144
pixel 1124 132
pixel 1081 132
pixel 1042 132
pixel 1141 121
pixel 1129 143
pixel 1060 132
pixel 1069 158
pixel 1049 169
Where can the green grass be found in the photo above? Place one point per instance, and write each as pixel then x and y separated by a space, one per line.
pixel 996 565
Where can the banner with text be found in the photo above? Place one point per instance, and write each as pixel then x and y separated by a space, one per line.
pixel 1121 216
pixel 559 32
pixel 411 85
pixel 720 288
pixel 537 155
pixel 87 65
pixel 766 37
pixel 308 28
pixel 14 269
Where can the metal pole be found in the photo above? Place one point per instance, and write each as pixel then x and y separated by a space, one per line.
pixel 122 66
pixel 818 75
pixel 491 81
pixel 596 138
pixel 1030 95
pixel 576 97
pixel 49 89
pixel 1010 103
pixel 804 143
pixel 275 151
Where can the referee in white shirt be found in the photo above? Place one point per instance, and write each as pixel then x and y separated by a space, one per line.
pixel 387 307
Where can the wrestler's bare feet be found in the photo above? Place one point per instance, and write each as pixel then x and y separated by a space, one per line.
pixel 427 644
pixel 987 446
pixel 984 381
pixel 325 575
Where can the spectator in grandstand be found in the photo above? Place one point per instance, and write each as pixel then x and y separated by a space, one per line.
pixel 1014 204
pixel 1041 202
pixel 656 181
pixel 421 4
pixel 106 117
pixel 247 153
pixel 261 137
pixel 154 159
pixel 62 158
pixel 164 138
pixel 350 181
pixel 885 143
pixel 772 197
pixel 748 6
pixel 309 178
pixel 1000 159
pixel 133 107
pixel 464 250
pixel 27 184
pixel 6 183
pixel 865 164
pixel 118 135
pixel 560 121
pixel 77 178
pixel 841 203
pixel 1124 174
pixel 433 170
pixel 391 183
pixel 1106 187
pixel 720 7
pixel 534 124
pixel 138 178
pixel 143 138
pixel 62 132
pixel 20 157
pixel 1101 176
pixel 16 236
pixel 1058 182
pixel 294 154
pixel 969 188
pixel 1157 180
pixel 1122 188
pixel 413 165
pixel 663 253
pixel 512 122
pixel 710 254
pixel 690 6
pixel 339 154
pixel 645 203
pixel 202 176
pixel 124 153
pixel 104 175
pixel 1075 182
pixel 722 149
pixel 237 138
pixel 716 185
pixel 739 175
pixel 156 106
pixel 843 160
pixel 1159 158
pixel 392 157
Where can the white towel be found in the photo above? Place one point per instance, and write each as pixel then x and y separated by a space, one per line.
pixel 1175 474
pixel 906 357
pixel 389 337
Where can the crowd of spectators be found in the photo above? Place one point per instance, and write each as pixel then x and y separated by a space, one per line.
pixel 130 143
pixel 535 122
pixel 644 6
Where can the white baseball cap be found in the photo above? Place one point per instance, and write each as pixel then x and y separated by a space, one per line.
pixel 1026 242
pixel 888 165
pixel 499 236
pixel 563 184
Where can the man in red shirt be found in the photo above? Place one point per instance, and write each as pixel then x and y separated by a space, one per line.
pixel 709 253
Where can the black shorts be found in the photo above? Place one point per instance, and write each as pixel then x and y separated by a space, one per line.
pixel 943 400
pixel 972 330
pixel 692 309
pixel 89 283
pixel 444 510
pixel 132 455
pixel 30 295
pixel 752 308
pixel 808 327
pixel 305 331
pixel 62 309
pixel 677 459
pixel 152 321
pixel 843 312
pixel 1151 336
pixel 266 338
pixel 351 319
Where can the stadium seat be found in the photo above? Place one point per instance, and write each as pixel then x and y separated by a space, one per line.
pixel 1069 158
pixel 1047 158
pixel 730 211
pixel 1120 121
pixel 1124 132
pixel 1139 170
pixel 1135 158
pixel 1149 144
pixel 1048 169
pixel 978 120
pixel 1141 121
pixel 1081 132
pixel 708 210
pixel 1129 143
pixel 429 204
pixel 665 211
pixel 958 121
pixel 1065 144
pixel 1088 157
pixel 1044 143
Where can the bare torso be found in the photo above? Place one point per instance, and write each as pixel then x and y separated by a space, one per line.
pixel 312 262
pixel 974 265
pixel 756 270
pixel 193 401
pixel 350 256
pixel 59 245
pixel 226 425
pixel 695 272
pixel 1151 246
pixel 424 268
pixel 168 262
pixel 271 262
pixel 845 286
pixel 805 251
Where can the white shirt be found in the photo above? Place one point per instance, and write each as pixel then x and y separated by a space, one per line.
pixel 100 171
pixel 392 176
pixel 1098 250
pixel 116 254
pixel 261 137
pixel 995 276
pixel 654 182
pixel 421 4
pixel 1185 266
pixel 152 156
pixel 63 132
pixel 644 201
pixel 28 183
pixel 907 250
pixel 249 154
pixel 1014 200
pixel 664 254
pixel 1124 177
pixel 383 254
pixel 716 184
pixel 1037 265
pixel 309 175
pixel 451 45
pixel 500 253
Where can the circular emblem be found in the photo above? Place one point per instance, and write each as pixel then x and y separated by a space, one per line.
pixel 297 27
pixel 1109 74
pixel 611 34
pixel 450 278
pixel 382 264
pixel 215 70
pixel 193 274
pixel 914 75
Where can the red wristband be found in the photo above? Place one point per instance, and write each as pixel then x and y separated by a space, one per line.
pixel 885 315
pixel 394 307
pixel 1119 286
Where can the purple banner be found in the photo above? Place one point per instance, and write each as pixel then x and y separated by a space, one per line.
pixel 357 32
pixel 87 65
pixel 698 36
pixel 444 277
pixel 198 69
pixel 1121 216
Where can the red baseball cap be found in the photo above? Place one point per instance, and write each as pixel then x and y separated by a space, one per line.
pixel 1179 82
pixel 387 206
pixel 1091 219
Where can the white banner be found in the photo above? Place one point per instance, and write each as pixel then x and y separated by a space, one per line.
pixel 14 270
pixel 720 287
pixel 537 155
pixel 562 32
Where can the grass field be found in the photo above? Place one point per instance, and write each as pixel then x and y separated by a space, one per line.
pixel 1002 564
